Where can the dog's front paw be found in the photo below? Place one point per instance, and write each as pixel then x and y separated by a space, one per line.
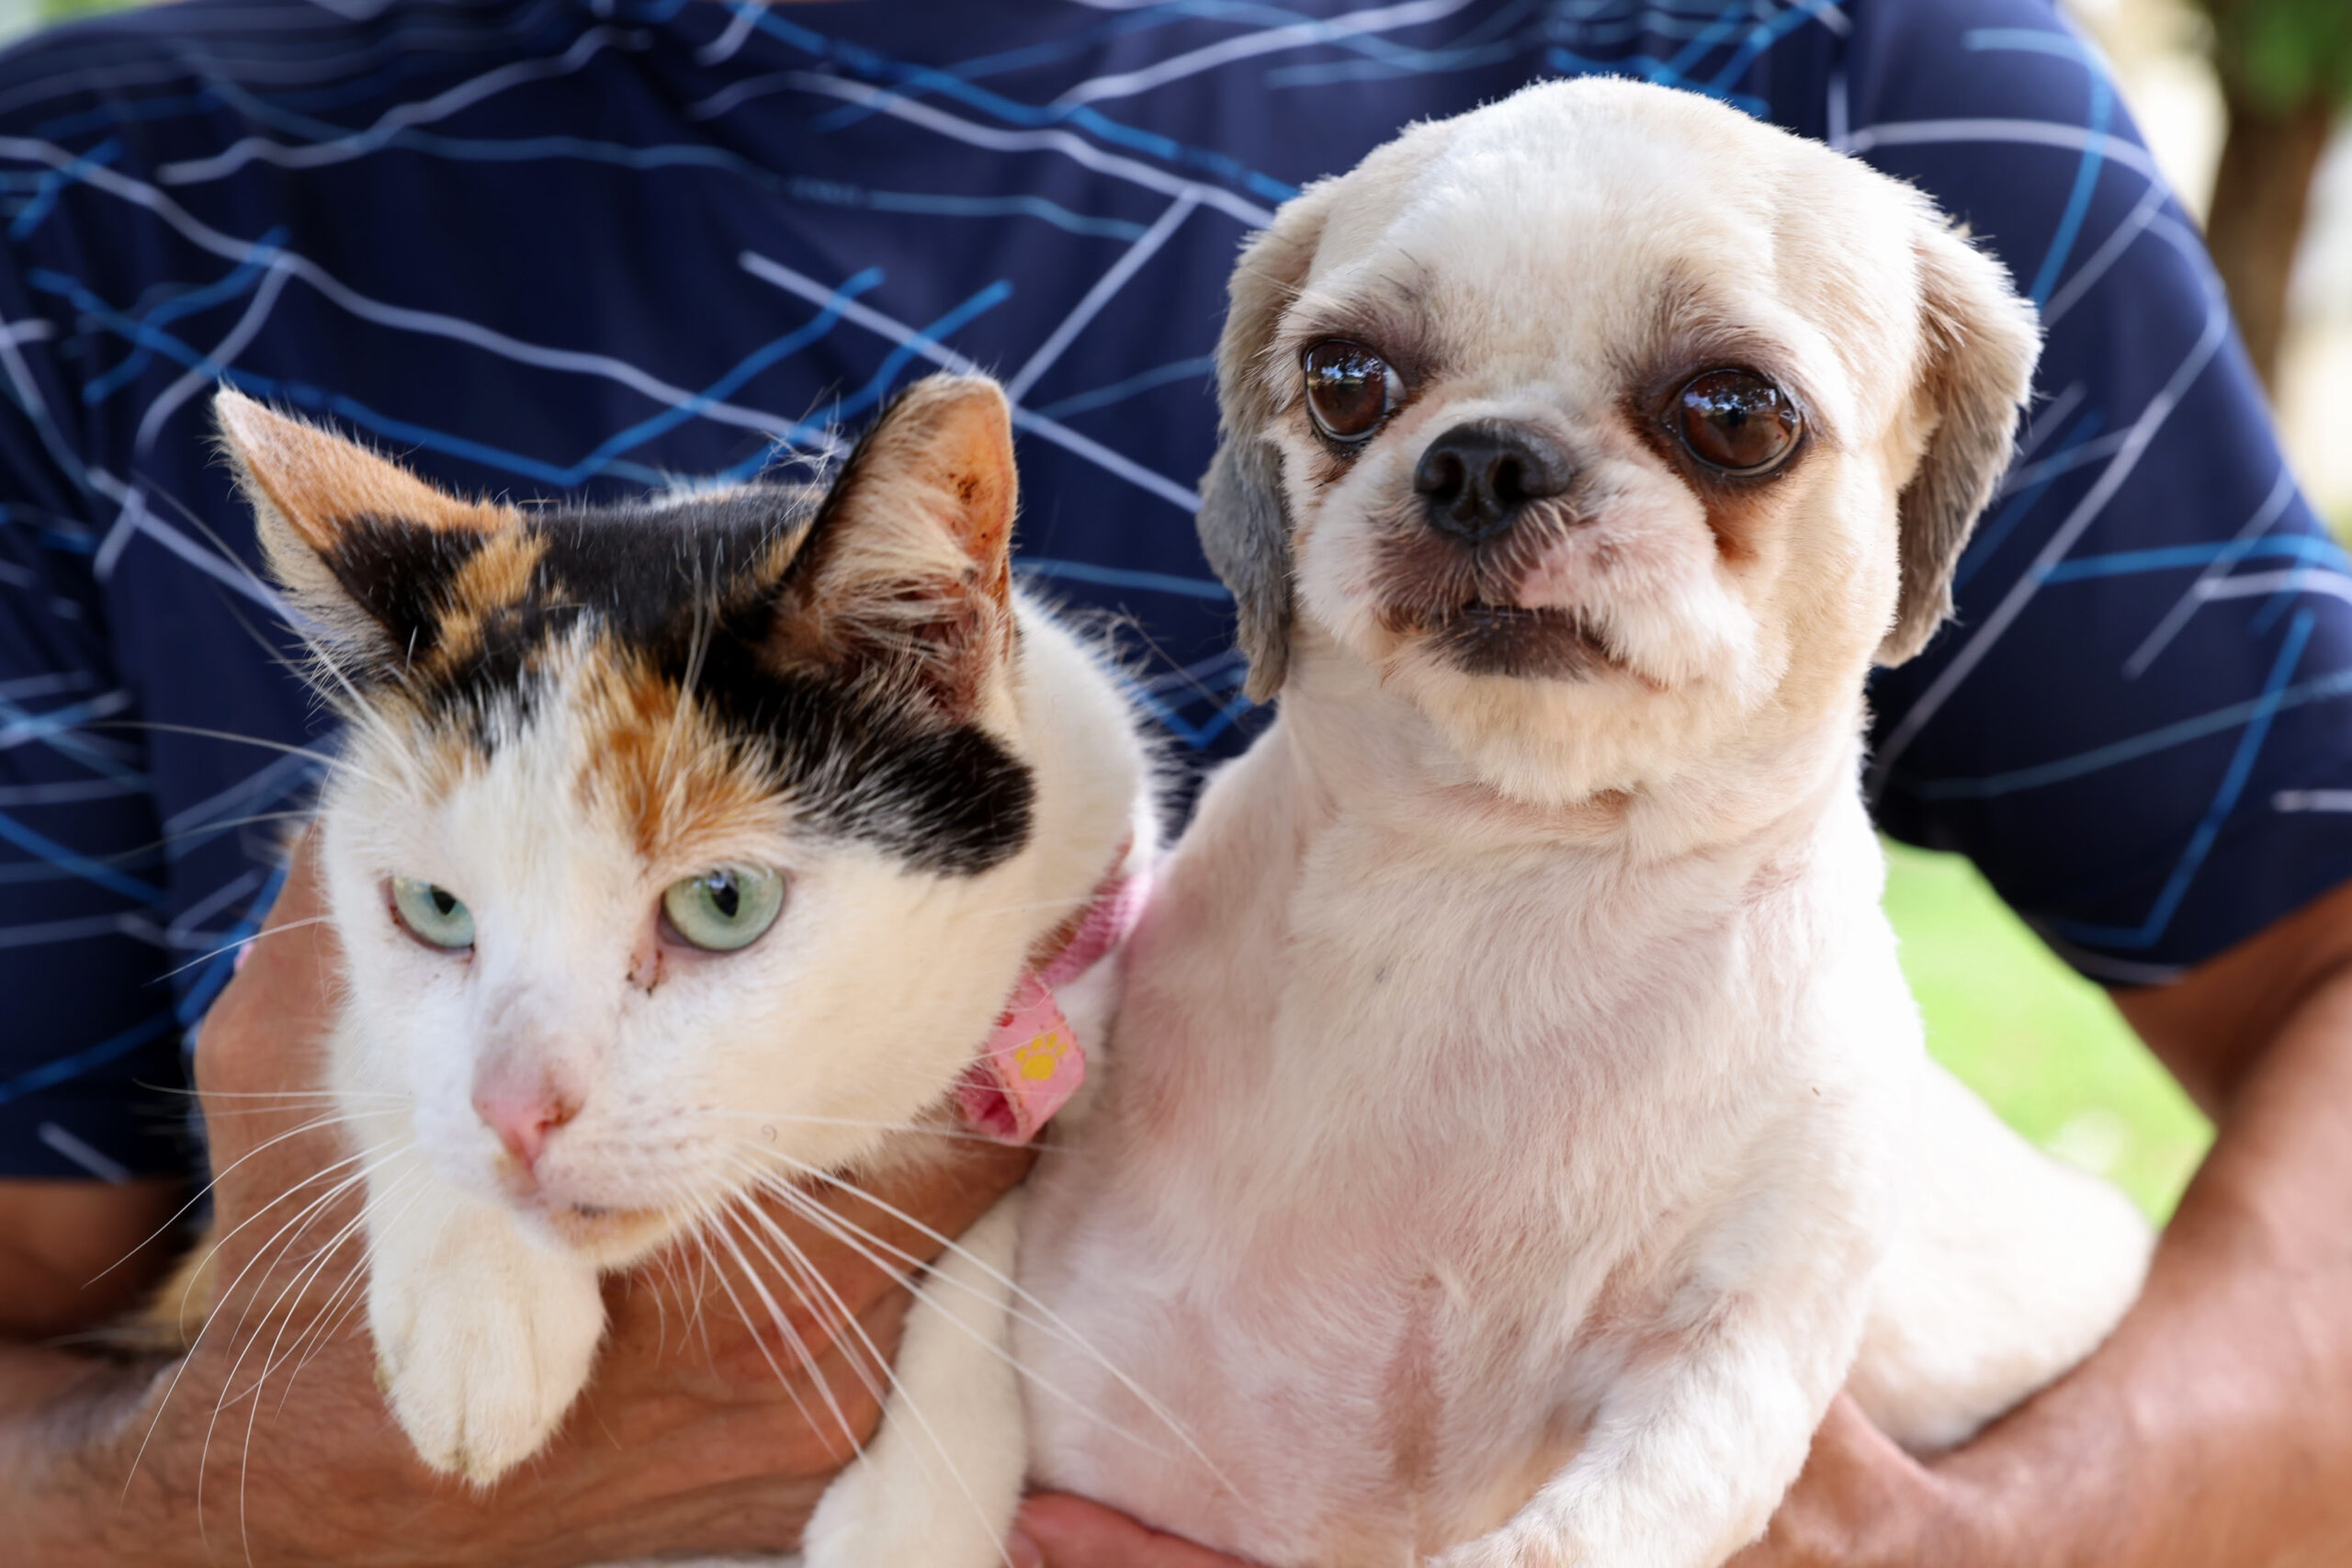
pixel 878 1516
pixel 1515 1545
pixel 479 1368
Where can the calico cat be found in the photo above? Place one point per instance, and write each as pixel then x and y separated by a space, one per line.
pixel 682 849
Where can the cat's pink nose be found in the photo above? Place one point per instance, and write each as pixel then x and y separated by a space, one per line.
pixel 524 1120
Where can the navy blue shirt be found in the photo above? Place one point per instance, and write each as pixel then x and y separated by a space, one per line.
pixel 539 246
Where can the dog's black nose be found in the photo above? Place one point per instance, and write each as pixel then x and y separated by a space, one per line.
pixel 1475 477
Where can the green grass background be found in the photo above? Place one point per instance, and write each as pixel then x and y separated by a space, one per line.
pixel 2045 1046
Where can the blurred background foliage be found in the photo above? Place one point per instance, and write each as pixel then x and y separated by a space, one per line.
pixel 2284 71
pixel 2243 104
pixel 46 11
pixel 2045 1046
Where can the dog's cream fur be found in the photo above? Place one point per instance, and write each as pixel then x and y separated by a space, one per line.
pixel 1519 1125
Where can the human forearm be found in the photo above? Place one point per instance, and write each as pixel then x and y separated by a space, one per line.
pixel 69 1426
pixel 2216 1424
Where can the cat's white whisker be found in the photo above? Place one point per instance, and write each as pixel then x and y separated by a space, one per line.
pixel 228 1393
pixel 907 1403
pixel 181 1212
pixel 785 1330
pixel 216 825
pixel 926 1129
pixel 919 1280
pixel 279 930
pixel 1052 1319
pixel 329 1319
pixel 324 758
pixel 272 1360
pixel 221 1292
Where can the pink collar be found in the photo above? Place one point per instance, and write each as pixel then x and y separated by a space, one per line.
pixel 1033 1061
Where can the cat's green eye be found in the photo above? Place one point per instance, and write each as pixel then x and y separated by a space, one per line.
pixel 724 909
pixel 435 915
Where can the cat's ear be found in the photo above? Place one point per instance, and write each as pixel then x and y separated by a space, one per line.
pixel 373 554
pixel 906 572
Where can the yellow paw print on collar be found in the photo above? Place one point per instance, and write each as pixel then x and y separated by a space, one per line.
pixel 1042 1056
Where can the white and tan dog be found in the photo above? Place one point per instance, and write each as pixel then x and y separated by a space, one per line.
pixel 1518 1127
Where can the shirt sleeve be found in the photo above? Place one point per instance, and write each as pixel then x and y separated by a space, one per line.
pixel 91 1078
pixel 2138 726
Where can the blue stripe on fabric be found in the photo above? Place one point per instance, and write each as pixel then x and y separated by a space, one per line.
pixel 2065 46
pixel 1993 534
pixel 827 317
pixel 1762 38
pixel 2299 546
pixel 236 281
pixel 1648 68
pixel 19 873
pixel 41 847
pixel 872 65
pixel 2221 720
pixel 531 149
pixel 218 969
pixel 1141 382
pixel 52 532
pixel 1119 577
pixel 136 111
pixel 53 182
pixel 2225 799
pixel 1199 737
pixel 601 461
pixel 50 1074
pixel 354 90
pixel 877 386
pixel 67 744
pixel 1439 62
pixel 1035 207
pixel 1145 20
pixel 56 721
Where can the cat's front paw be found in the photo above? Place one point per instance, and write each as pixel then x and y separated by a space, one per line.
pixel 479 1368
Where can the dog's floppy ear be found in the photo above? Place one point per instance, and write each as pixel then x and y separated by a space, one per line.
pixel 1980 341
pixel 1245 527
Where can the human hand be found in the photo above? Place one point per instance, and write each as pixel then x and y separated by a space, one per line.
pixel 1862 1501
pixel 1056 1531
pixel 699 1431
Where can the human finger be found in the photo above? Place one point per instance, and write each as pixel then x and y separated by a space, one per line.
pixel 258 1054
pixel 1056 1531
pixel 1860 1500
pixel 813 1255
pixel 285 1167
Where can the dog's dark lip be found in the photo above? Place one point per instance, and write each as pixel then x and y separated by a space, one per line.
pixel 1479 638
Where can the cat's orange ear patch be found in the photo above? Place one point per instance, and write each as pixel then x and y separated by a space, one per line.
pixel 388 569
pixel 317 482
pixel 952 436
pixel 908 569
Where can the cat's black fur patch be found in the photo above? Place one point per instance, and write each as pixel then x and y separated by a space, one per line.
pixel 692 586
pixel 399 574
pixel 944 797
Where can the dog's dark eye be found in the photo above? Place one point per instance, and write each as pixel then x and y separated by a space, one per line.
pixel 1735 421
pixel 1349 390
